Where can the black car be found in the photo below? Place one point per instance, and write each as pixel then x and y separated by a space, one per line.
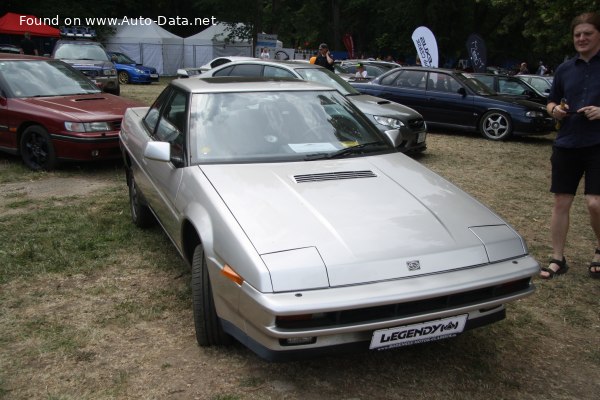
pixel 511 86
pixel 454 99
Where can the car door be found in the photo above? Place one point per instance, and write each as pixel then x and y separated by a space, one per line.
pixel 164 178
pixel 406 87
pixel 447 101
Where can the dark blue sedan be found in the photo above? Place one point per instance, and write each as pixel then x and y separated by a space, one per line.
pixel 131 72
pixel 456 100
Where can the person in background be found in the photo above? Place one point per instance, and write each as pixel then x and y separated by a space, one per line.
pixel 324 58
pixel 541 69
pixel 574 101
pixel 523 69
pixel 361 72
pixel 264 54
pixel 28 45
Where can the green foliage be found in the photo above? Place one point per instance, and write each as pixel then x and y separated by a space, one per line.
pixel 516 30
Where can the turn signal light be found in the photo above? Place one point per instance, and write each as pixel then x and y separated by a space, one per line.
pixel 230 274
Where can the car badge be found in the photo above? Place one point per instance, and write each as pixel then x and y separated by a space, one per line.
pixel 413 265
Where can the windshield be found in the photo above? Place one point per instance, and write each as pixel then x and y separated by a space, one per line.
pixel 328 78
pixel 475 85
pixel 33 78
pixel 79 51
pixel 122 58
pixel 277 126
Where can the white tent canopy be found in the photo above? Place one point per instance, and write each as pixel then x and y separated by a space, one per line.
pixel 148 44
pixel 213 42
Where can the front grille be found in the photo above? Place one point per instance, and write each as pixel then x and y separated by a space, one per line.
pixel 116 125
pixel 403 310
pixel 90 72
pixel 417 123
pixel 333 176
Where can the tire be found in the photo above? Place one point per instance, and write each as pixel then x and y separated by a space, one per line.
pixel 496 125
pixel 37 150
pixel 123 77
pixel 141 215
pixel 209 331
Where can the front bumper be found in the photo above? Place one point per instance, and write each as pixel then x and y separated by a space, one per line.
pixel 357 311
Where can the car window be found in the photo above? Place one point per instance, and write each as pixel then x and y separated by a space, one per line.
pixel 511 86
pixel 246 70
pixel 487 80
pixel 76 51
pixel 151 118
pixel 223 72
pixel 30 78
pixel 276 126
pixel 172 123
pixel 412 79
pixel 274 72
pixel 441 83
pixel 328 78
pixel 389 80
pixel 219 61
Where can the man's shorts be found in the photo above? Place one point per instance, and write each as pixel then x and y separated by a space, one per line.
pixel 570 165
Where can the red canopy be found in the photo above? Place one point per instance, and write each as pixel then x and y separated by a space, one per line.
pixel 10 24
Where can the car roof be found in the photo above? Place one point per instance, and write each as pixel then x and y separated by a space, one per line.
pixel 246 84
pixel 285 63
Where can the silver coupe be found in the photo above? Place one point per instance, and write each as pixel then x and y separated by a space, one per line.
pixel 305 229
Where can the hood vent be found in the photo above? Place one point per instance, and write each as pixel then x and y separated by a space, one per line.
pixel 334 176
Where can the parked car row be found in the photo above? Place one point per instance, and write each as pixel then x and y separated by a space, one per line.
pixel 457 100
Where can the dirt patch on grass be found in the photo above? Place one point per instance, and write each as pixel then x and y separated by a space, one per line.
pixel 14 195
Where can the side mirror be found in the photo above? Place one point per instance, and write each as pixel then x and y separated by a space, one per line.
pixel 182 73
pixel 158 151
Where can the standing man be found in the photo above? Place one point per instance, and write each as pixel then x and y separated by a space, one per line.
pixel 28 45
pixel 324 58
pixel 574 100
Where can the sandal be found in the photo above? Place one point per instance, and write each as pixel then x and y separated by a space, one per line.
pixel 595 264
pixel 563 268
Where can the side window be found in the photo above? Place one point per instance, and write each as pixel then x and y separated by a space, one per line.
pixel 223 72
pixel 246 70
pixel 388 80
pixel 170 121
pixel 274 72
pixel 412 79
pixel 151 118
pixel 488 81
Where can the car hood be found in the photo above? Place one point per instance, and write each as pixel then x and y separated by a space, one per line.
pixel 517 100
pixel 360 220
pixel 90 107
pixel 377 106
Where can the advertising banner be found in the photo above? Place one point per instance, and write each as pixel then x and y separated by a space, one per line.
pixel 477 52
pixel 426 46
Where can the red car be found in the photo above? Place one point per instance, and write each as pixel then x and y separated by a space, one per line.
pixel 50 112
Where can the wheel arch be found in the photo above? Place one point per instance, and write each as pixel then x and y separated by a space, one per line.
pixel 24 125
pixel 190 238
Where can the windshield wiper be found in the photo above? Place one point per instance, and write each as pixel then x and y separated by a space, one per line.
pixel 359 148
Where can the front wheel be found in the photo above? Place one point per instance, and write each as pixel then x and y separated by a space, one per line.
pixel 209 331
pixel 123 77
pixel 496 125
pixel 36 149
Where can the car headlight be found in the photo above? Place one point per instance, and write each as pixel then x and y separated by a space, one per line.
pixel 109 71
pixel 87 126
pixel 139 71
pixel 534 114
pixel 389 121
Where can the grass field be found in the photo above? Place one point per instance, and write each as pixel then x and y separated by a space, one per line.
pixel 93 308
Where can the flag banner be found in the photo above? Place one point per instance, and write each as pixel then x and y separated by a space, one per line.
pixel 349 43
pixel 426 46
pixel 477 52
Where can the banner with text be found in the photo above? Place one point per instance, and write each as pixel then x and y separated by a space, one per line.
pixel 426 46
pixel 477 52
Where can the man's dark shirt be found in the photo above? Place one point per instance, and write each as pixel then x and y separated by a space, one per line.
pixel 28 46
pixel 579 83
pixel 322 61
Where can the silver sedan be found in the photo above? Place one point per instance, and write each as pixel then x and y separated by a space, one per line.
pixel 305 229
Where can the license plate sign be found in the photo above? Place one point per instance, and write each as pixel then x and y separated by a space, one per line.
pixel 421 138
pixel 418 333
pixel 153 75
